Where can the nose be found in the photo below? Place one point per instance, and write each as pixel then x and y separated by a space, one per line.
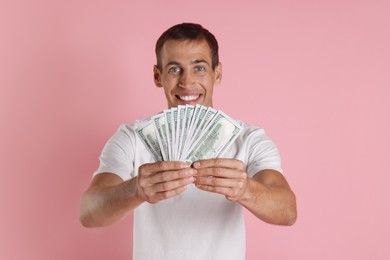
pixel 186 79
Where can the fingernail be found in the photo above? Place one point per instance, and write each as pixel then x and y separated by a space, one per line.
pixel 185 165
pixel 189 172
pixel 196 164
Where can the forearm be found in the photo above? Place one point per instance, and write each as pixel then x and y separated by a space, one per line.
pixel 102 206
pixel 270 203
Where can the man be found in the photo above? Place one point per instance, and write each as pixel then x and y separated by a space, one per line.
pixel 182 210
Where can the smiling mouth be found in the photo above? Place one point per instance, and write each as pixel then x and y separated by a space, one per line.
pixel 188 98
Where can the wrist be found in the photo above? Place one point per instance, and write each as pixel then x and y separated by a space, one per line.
pixel 134 190
pixel 248 195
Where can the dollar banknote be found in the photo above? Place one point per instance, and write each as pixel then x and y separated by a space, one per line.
pixel 189 133
pixel 149 138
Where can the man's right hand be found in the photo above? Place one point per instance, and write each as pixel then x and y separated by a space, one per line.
pixel 163 180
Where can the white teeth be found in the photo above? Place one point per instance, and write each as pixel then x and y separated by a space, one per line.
pixel 188 98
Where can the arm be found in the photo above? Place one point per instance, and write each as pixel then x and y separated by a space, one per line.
pixel 267 195
pixel 109 199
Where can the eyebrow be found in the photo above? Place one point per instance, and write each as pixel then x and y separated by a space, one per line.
pixel 197 61
pixel 172 63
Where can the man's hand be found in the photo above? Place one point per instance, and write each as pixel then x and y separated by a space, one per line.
pixel 267 194
pixel 223 176
pixel 163 180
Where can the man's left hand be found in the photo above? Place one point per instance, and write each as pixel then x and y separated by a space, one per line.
pixel 223 176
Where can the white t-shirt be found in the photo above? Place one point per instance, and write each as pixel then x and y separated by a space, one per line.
pixel 195 225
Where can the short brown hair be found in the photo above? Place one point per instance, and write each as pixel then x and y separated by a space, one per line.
pixel 192 32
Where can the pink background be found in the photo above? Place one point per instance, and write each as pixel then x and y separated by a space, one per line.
pixel 314 74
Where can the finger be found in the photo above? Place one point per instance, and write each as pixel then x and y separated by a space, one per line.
pixel 232 194
pixel 148 170
pixel 166 176
pixel 172 185
pixel 166 195
pixel 220 182
pixel 220 190
pixel 218 162
pixel 162 166
pixel 222 173
pixel 158 189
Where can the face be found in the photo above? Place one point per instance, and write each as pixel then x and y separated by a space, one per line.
pixel 186 73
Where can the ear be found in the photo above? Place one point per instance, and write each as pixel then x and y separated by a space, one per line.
pixel 157 76
pixel 218 73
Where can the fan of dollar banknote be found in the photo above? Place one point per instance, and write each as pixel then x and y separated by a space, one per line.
pixel 189 133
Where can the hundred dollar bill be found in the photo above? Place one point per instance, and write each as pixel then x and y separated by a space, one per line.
pixel 179 129
pixel 174 135
pixel 169 131
pixel 200 126
pixel 185 117
pixel 189 111
pixel 149 138
pixel 220 134
pixel 196 121
pixel 193 124
pixel 189 133
pixel 193 117
pixel 161 134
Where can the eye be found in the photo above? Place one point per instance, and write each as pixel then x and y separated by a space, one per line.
pixel 174 70
pixel 200 68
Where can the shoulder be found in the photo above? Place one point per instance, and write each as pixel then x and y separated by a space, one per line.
pixel 260 151
pixel 251 131
pixel 130 128
pixel 125 136
pixel 255 140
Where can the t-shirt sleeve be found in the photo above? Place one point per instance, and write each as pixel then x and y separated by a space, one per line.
pixel 263 153
pixel 117 156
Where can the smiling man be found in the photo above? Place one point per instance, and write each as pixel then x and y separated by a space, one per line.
pixel 186 72
pixel 182 210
